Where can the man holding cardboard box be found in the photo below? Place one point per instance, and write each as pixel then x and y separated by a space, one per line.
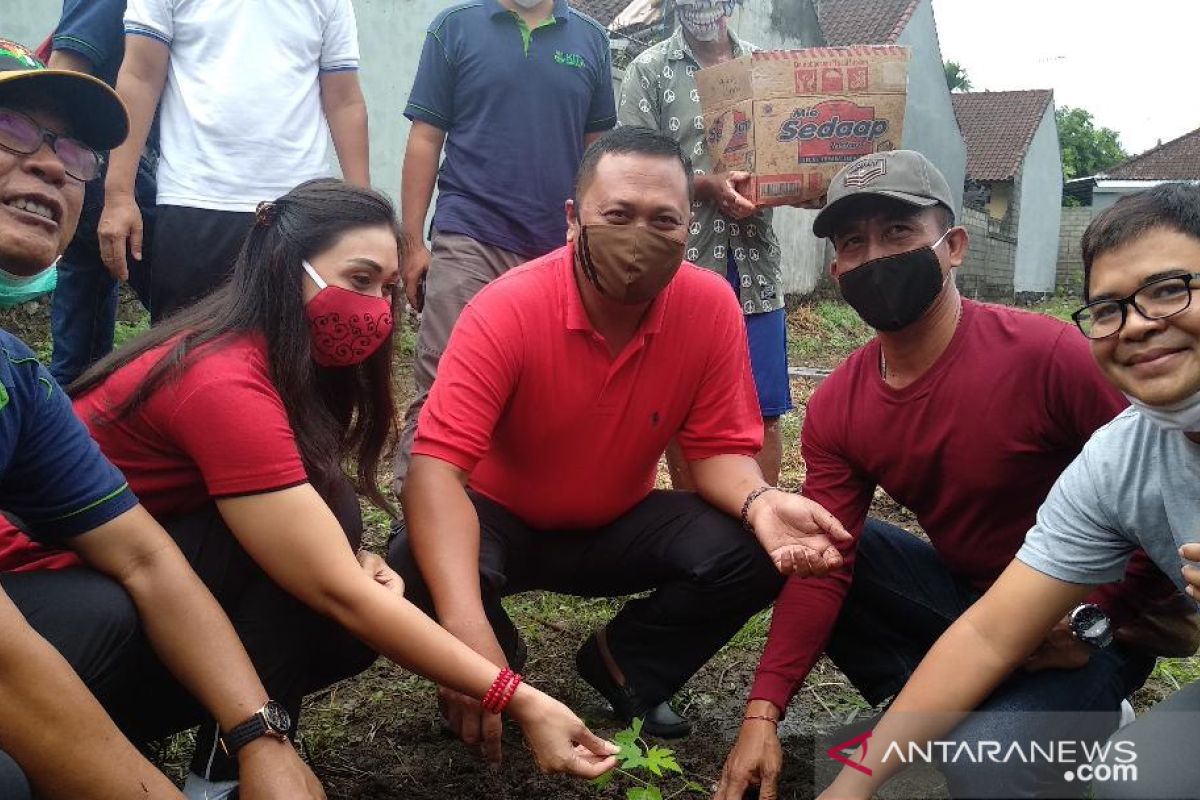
pixel 728 233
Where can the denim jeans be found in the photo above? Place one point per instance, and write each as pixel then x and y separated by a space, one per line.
pixel 903 598
pixel 83 311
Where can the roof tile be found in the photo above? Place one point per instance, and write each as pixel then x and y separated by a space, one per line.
pixel 845 22
pixel 998 128
pixel 1178 159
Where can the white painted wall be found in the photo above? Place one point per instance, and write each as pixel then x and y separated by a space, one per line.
pixel 1040 210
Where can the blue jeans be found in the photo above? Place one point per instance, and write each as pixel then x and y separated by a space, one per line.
pixel 83 310
pixel 903 598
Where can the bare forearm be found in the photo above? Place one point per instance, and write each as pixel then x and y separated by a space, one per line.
pixel 45 705
pixel 418 178
pixel 443 532
pixel 140 84
pixel 726 481
pixel 346 112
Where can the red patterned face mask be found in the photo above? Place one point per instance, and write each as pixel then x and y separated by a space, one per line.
pixel 347 327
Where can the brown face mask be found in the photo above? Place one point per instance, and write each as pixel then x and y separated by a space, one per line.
pixel 630 264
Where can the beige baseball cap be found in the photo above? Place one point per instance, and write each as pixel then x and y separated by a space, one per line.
pixel 904 175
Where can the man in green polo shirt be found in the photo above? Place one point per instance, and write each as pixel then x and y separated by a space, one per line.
pixel 728 235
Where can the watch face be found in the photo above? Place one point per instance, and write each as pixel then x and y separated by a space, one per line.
pixel 277 717
pixel 1090 624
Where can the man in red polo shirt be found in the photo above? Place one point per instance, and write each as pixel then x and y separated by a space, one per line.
pixel 535 457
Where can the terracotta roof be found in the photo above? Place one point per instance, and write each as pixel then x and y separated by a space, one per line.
pixel 998 128
pixel 863 21
pixel 603 11
pixel 1178 159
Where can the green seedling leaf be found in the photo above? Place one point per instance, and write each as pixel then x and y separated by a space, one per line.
pixel 643 793
pixel 692 786
pixel 662 758
pixel 604 780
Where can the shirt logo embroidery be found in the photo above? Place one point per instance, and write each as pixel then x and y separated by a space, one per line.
pixel 569 59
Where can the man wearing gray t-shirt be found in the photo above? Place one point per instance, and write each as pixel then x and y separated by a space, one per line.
pixel 1133 486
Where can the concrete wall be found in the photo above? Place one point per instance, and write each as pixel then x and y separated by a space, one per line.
pixel 987 271
pixel 1070 259
pixel 28 21
pixel 929 123
pixel 1039 190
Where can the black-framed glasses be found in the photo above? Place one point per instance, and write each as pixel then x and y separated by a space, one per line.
pixel 21 134
pixel 1156 299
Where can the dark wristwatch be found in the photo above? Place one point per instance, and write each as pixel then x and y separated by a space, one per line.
pixel 270 720
pixel 1091 625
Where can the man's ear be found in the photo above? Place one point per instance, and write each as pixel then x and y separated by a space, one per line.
pixel 956 242
pixel 833 269
pixel 572 221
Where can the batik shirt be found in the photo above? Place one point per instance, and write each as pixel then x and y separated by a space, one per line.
pixel 659 91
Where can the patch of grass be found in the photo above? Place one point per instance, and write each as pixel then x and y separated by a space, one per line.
pixel 127 329
pixel 822 333
pixel 1059 306
pixel 1177 672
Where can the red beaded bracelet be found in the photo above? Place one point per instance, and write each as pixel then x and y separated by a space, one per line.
pixel 501 691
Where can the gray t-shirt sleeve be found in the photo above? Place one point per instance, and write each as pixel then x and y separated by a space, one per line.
pixel 1077 538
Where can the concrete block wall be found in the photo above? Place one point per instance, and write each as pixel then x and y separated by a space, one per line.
pixel 1069 278
pixel 987 271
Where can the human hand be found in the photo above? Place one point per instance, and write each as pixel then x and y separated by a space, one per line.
pixel 1169 630
pixel 1060 650
pixel 413 271
pixel 464 715
pixel 800 535
pixel 727 190
pixel 270 769
pixel 120 227
pixel 380 572
pixel 1191 573
pixel 558 739
pixel 755 760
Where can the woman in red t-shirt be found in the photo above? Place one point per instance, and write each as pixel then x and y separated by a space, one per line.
pixel 235 422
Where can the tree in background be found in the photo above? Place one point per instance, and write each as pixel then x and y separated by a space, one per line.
pixel 1086 149
pixel 956 77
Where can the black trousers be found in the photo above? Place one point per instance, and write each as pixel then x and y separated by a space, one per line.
pixel 94 624
pixel 708 575
pixel 194 252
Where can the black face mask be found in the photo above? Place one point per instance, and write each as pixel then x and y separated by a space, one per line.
pixel 893 292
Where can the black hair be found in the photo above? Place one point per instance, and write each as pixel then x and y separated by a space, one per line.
pixel 1174 206
pixel 343 418
pixel 630 140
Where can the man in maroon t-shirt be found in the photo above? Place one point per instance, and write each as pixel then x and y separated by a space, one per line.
pixel 965 413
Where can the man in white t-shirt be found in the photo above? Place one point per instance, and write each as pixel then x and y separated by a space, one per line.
pixel 247 88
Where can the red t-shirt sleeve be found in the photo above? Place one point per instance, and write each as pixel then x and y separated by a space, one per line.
pixel 808 608
pixel 724 418
pixel 476 377
pixel 231 422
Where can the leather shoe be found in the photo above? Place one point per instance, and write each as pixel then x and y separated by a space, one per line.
pixel 658 720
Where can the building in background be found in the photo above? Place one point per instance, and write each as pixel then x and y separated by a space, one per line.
pixel 1013 194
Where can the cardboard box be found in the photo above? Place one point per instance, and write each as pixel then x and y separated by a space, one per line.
pixel 793 118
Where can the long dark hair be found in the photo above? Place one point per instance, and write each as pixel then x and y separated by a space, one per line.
pixel 344 419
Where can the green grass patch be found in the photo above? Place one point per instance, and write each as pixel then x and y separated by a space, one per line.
pixel 824 332
pixel 127 330
pixel 1177 672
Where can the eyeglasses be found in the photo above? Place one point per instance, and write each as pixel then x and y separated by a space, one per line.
pixel 1156 299
pixel 20 134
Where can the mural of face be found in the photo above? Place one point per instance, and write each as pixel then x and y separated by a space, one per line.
pixel 705 20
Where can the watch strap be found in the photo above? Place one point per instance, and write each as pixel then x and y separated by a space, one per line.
pixel 244 733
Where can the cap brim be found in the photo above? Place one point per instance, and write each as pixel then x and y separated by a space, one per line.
pixel 824 222
pixel 97 115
